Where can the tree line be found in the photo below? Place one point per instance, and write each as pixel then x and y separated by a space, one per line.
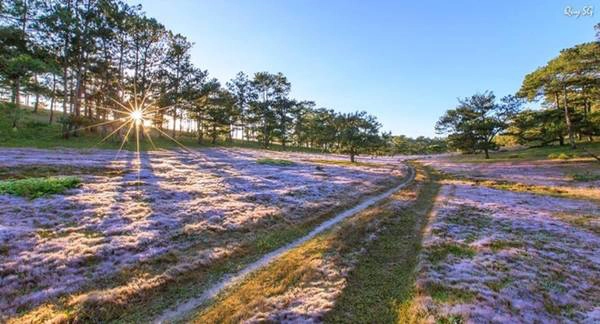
pixel 568 90
pixel 86 57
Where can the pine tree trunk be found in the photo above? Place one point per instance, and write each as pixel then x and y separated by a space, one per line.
pixel 17 94
pixel 568 120
pixel 174 121
pixel 17 101
pixel 37 98
pixel 52 98
pixel 200 134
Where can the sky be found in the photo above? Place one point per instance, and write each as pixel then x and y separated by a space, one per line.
pixel 406 62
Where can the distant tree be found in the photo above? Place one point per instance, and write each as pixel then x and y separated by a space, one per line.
pixel 242 93
pixel 208 101
pixel 473 125
pixel 178 65
pixel 402 144
pixel 301 118
pixel 270 89
pixel 359 134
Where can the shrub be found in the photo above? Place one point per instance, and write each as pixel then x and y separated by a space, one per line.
pixel 38 187
pixel 586 176
pixel 35 124
pixel 560 156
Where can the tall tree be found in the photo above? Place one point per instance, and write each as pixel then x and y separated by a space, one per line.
pixel 242 92
pixel 178 64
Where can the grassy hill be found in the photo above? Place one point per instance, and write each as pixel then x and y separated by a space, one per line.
pixel 33 130
pixel 551 152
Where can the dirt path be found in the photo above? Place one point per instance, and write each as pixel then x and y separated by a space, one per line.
pixel 230 280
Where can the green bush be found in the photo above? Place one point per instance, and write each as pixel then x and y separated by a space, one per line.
pixel 275 162
pixel 38 187
pixel 35 124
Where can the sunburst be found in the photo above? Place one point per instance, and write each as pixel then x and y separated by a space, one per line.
pixel 135 118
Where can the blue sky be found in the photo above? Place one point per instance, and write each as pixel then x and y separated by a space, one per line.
pixel 405 62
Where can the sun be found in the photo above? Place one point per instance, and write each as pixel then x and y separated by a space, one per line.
pixel 137 115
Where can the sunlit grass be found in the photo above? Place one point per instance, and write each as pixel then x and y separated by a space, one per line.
pixel 34 131
pixel 38 187
pixel 555 191
pixel 372 281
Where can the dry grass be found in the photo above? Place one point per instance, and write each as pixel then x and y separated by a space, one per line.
pixel 588 222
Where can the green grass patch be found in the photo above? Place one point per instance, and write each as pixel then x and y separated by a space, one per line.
pixel 41 170
pixel 501 245
pixel 469 216
pixel 439 252
pixel 348 163
pixel 498 285
pixel 585 176
pixel 274 239
pixel 38 187
pixel 277 162
pixel 451 319
pixel 448 295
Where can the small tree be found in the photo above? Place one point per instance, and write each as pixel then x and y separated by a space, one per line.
pixel 359 133
pixel 473 125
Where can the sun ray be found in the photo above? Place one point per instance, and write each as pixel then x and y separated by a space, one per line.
pixel 112 133
pixel 174 140
pixel 159 109
pixel 138 110
pixel 94 125
pixel 120 104
pixel 137 136
pixel 135 94
pixel 147 134
pixel 125 138
pixel 111 109
pixel 146 94
pixel 137 140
